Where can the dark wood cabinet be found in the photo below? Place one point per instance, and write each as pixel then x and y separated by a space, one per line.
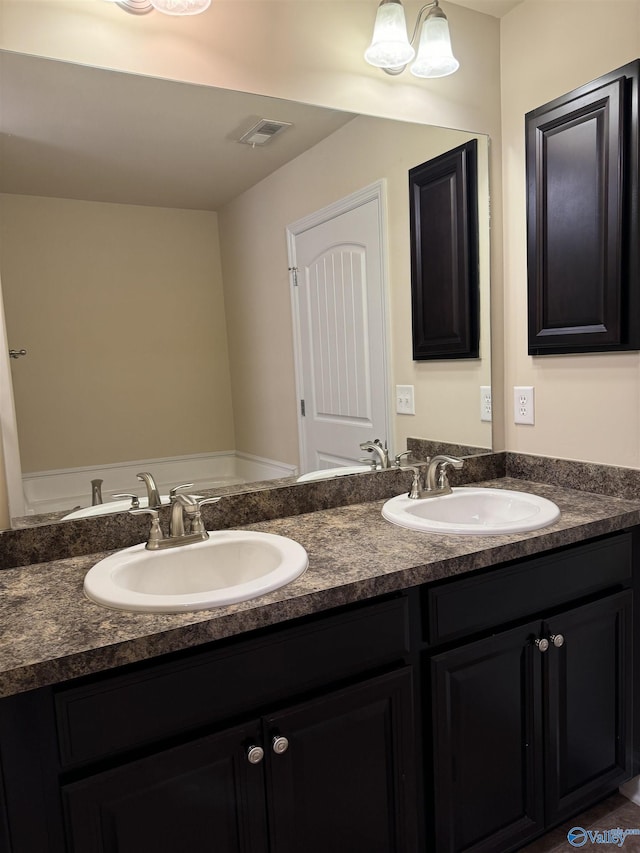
pixel 512 740
pixel 488 743
pixel 296 738
pixel 526 736
pixel 445 297
pixel 171 801
pixel 588 705
pixel 582 218
pixel 346 780
pixel 334 771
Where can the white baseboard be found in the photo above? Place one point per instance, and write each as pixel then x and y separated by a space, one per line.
pixel 66 489
pixel 254 468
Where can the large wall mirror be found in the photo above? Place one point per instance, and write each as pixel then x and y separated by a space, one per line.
pixel 143 265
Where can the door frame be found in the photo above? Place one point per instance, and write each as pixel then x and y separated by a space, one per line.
pixel 377 192
pixel 9 427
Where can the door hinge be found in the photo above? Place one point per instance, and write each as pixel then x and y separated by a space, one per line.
pixel 302 409
pixel 294 274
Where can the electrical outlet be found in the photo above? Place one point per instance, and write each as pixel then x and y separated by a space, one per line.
pixel 405 404
pixel 485 402
pixel 523 404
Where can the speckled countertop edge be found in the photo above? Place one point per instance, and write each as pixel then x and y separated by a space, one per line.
pixel 50 632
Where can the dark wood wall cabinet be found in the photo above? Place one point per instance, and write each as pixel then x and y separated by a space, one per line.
pixel 443 208
pixel 582 218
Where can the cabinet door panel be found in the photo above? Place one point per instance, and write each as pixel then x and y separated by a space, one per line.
pixel 588 705
pixel 346 781
pixel 582 186
pixel 487 743
pixel 204 795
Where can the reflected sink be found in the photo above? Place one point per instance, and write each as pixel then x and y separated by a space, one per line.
pixel 472 510
pixel 230 566
pixel 340 471
pixel 110 506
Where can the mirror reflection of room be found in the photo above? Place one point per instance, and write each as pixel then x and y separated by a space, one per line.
pixel 163 339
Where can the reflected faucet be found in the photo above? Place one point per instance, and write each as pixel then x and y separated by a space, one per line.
pixel 380 451
pixel 153 495
pixel 96 492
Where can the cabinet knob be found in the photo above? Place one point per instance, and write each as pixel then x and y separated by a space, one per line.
pixel 542 645
pixel 255 754
pixel 279 744
pixel 557 640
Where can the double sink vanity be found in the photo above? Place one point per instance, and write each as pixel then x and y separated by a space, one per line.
pixel 405 691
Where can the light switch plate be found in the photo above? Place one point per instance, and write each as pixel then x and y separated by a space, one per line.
pixel 405 404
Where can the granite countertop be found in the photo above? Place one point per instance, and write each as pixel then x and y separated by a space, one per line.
pixel 50 632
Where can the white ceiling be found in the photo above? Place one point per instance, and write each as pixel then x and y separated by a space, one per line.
pixel 71 131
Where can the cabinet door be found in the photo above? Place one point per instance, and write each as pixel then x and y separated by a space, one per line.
pixel 345 781
pixel 588 705
pixel 582 188
pixel 204 795
pixel 487 743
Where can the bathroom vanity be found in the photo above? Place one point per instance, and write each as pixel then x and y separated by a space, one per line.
pixel 396 697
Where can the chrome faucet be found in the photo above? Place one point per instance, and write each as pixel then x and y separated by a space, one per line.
pixel 437 483
pixel 380 450
pixel 153 495
pixel 181 506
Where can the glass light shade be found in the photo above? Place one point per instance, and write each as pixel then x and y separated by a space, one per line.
pixel 181 7
pixel 435 57
pixel 389 46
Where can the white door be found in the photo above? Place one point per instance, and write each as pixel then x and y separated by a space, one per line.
pixel 337 259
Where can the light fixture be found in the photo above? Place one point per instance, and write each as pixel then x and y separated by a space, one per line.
pixel 167 7
pixel 181 7
pixel 392 50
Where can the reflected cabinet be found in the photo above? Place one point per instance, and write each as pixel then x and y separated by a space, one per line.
pixel 445 302
pixel 582 218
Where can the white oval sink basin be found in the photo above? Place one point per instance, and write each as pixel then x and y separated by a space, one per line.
pixel 326 473
pixel 472 510
pixel 109 507
pixel 231 566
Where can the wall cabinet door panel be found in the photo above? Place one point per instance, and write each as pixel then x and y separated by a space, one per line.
pixel 582 197
pixel 443 213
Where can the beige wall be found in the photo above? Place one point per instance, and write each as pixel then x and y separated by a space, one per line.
pixel 122 313
pixel 257 289
pixel 587 406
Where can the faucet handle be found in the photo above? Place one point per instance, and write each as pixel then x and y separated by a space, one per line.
pixel 197 525
pixel 370 462
pixel 174 491
pixel 416 489
pixel 399 456
pixel 155 534
pixel 135 500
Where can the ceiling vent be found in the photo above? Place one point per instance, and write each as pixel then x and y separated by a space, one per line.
pixel 263 131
